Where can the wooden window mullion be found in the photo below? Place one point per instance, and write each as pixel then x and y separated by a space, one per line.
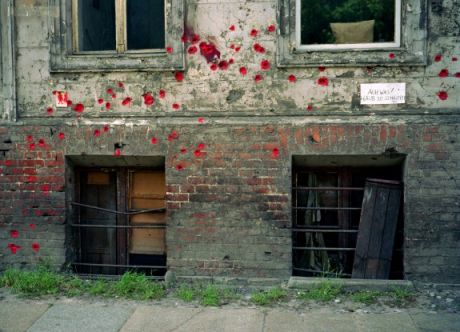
pixel 120 23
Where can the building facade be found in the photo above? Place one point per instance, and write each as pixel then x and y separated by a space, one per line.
pixel 194 143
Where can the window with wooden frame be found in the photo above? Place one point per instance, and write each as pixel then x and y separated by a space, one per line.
pixel 120 221
pixel 117 34
pixel 351 32
pixel 328 230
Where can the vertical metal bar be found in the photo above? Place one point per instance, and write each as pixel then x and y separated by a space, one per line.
pixel 122 257
pixel 75 25
pixel 120 25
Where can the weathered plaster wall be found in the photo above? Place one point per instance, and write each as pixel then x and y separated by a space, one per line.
pixel 229 206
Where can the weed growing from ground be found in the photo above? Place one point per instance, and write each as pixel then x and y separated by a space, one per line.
pixel 325 291
pixel 137 286
pixel 268 297
pixel 210 296
pixel 366 296
pixel 33 283
pixel 185 293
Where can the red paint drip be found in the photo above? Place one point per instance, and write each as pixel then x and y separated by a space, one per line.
pixel 264 65
pixel 162 94
pixel 154 140
pixel 209 52
pixel 169 50
pixel 437 57
pixel 391 55
pixel 179 76
pixel 79 108
pixel 192 50
pixel 223 65
pixel 258 48
pixel 232 27
pixel 100 101
pixel 127 101
pixel 35 247
pixel 275 153
pixel 106 128
pixel 310 108
pixel 213 67
pixel 49 110
pixel 121 85
pixel 61 135
pixel 41 143
pixel 108 105
pixel 14 234
pixel 97 133
pixel 292 78
pixel 175 106
pixel 201 146
pixel 271 28
pixel 117 153
pixel 109 91
pixel 32 146
pixel 258 78
pixel 253 33
pixel 442 95
pixel 243 71
pixel 197 153
pixel 13 247
pixel 148 99
pixel 323 81
pixel 443 73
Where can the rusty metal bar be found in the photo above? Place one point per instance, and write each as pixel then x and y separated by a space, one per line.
pixel 327 208
pixel 118 212
pixel 122 265
pixel 330 188
pixel 112 276
pixel 118 226
pixel 323 248
pixel 315 230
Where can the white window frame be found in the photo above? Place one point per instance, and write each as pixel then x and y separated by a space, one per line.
pixel 362 46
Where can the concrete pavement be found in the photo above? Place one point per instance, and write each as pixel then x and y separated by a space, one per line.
pixel 85 316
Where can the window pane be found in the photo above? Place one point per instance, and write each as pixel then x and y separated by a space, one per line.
pixel 96 25
pixel 146 24
pixel 347 21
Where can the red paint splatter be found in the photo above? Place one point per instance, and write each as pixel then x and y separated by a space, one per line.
pixel 45 188
pixel 243 71
pixel 13 247
pixel 454 59
pixel 457 74
pixel 108 106
pixel 148 99
pixel 79 108
pixel 264 65
pixel 232 46
pixel 231 61
pixel 30 138
pixel 169 49
pixel 184 38
pixel 253 33
pixel 183 150
pixel 117 152
pixel 49 110
pixel 237 49
pixel 223 65
pixel 35 247
pixel 100 101
pixel 32 226
pixel 121 85
pixel 271 28
pixel 14 234
pixel 179 76
pixel 162 94
pixel 32 178
pixel 173 135
pixel 443 73
pixel 391 55
pixel 195 39
pixel 323 81
pixel 179 167
pixel 97 133
pixel 442 95
pixel 275 153
pixel 127 101
pixel 192 50
pixel 106 128
pixel 232 27
pixel 61 135
pixel 310 108
pixel 201 120
pixel 197 153
pixel 114 96
pixel 292 78
pixel 258 78
pixel 109 91
pixel 321 68
pixel 32 146
pixel 175 106
pixel 437 57
pixel 201 146
pixel 154 140
pixel 41 143
pixel 258 48
pixel 213 67
pixel 209 52
pixel 69 103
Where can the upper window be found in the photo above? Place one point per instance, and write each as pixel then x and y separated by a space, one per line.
pixel 351 32
pixel 346 24
pixel 117 34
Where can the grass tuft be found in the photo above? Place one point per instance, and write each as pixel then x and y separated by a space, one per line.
pixel 268 297
pixel 210 296
pixel 137 286
pixel 366 296
pixel 185 293
pixel 32 283
pixel 325 291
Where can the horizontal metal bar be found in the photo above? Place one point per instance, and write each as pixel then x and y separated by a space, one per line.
pixel 118 212
pixel 112 276
pixel 315 230
pixel 121 265
pixel 323 248
pixel 118 226
pixel 330 188
pixel 327 208
pixel 317 227
pixel 321 272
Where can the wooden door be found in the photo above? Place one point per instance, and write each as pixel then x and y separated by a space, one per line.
pixel 98 245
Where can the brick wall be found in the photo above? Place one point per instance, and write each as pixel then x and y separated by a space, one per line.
pixel 229 205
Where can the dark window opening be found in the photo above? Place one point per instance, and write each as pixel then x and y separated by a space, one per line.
pixel 327 207
pixel 120 221
pixel 145 24
pixel 96 25
pixel 347 21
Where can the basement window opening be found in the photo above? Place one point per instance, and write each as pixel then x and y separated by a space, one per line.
pixel 119 221
pixel 335 231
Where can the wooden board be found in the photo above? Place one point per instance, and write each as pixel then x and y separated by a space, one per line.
pixel 377 229
pixel 150 241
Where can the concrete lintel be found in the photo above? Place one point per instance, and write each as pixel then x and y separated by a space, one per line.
pixel 350 284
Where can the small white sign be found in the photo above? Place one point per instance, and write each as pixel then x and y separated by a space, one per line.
pixel 383 93
pixel 61 98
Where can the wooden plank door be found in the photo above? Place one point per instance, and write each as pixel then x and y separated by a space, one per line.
pixel 377 229
pixel 98 245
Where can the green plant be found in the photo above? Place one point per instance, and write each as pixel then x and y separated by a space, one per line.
pixel 33 283
pixel 185 293
pixel 402 296
pixel 137 286
pixel 210 296
pixel 366 296
pixel 324 291
pixel 99 287
pixel 268 297
pixel 74 286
